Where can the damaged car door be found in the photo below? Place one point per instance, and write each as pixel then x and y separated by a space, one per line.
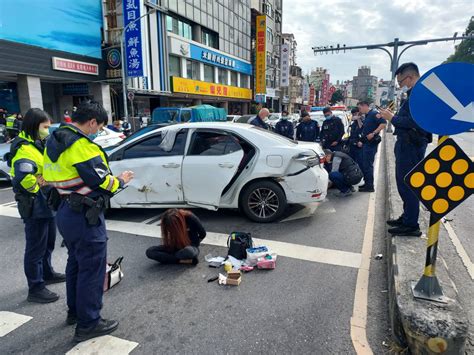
pixel 157 163
pixel 211 162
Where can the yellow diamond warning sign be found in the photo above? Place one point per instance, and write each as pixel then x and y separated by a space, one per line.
pixel 442 180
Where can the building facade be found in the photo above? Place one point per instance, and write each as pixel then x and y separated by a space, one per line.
pixel 364 85
pixel 192 52
pixel 272 9
pixel 52 65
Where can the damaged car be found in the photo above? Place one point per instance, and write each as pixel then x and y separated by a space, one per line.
pixel 216 166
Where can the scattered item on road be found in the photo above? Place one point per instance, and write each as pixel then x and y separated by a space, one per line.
pixel 212 279
pixel 113 274
pixel 253 254
pixel 222 279
pixel 227 266
pixel 378 257
pixel 215 264
pixel 238 242
pixel 246 268
pixel 268 262
pixel 234 278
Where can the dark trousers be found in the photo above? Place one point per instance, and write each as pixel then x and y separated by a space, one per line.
pixel 40 238
pixel 356 154
pixel 338 180
pixel 86 264
pixel 160 254
pixel 368 157
pixel 406 157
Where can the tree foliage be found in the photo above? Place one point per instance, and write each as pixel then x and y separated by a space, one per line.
pixel 465 50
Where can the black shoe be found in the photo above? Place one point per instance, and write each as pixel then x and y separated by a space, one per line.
pixel 395 222
pixel 55 279
pixel 71 319
pixel 42 296
pixel 353 189
pixel 404 231
pixel 104 327
pixel 364 188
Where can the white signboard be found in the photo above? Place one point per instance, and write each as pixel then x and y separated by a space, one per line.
pixel 285 65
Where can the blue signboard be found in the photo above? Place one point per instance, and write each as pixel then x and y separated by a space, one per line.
pixel 219 60
pixel 442 101
pixel 133 38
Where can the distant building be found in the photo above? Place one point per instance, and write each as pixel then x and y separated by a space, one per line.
pixel 293 94
pixel 364 85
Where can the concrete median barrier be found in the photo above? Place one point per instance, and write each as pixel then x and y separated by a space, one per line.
pixel 424 327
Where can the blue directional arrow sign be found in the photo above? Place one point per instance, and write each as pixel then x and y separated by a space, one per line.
pixel 442 101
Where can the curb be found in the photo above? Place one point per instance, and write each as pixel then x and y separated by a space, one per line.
pixel 423 327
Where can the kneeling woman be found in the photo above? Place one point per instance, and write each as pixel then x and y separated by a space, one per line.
pixel 181 232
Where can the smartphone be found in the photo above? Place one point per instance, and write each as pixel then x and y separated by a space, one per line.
pixel 378 107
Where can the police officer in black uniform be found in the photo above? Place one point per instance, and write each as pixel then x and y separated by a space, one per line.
pixel 307 130
pixel 410 149
pixel 355 144
pixel 332 131
pixel 344 172
pixel 285 127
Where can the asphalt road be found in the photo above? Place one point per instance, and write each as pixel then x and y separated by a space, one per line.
pixel 304 306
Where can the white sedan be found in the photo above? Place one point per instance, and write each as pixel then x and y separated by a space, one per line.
pixel 219 166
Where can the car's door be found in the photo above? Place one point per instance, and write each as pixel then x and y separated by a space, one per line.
pixel 212 160
pixel 156 161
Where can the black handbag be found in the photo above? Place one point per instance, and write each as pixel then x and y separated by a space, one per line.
pixel 238 243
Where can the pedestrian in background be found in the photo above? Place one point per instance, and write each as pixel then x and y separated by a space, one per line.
pixel 332 131
pixel 31 192
pixel 12 126
pixel 79 170
pixel 308 129
pixel 259 120
pixel 355 134
pixel 181 233
pixel 284 126
pixel 370 137
pixel 410 149
pixel 343 171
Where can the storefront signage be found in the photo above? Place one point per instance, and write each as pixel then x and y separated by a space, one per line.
pixel 209 56
pixel 113 59
pixel 196 87
pixel 285 65
pixel 261 55
pixel 75 66
pixel 133 38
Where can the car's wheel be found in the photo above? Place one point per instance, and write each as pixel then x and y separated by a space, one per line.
pixel 263 201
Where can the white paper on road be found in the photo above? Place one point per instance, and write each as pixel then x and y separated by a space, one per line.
pixel 104 345
pixel 9 321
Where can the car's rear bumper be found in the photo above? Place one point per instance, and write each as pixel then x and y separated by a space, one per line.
pixel 309 186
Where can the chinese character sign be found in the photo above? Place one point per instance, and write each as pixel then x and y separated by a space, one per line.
pixel 133 38
pixel 261 55
pixel 285 65
pixel 305 92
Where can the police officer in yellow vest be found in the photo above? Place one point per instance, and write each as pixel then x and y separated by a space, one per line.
pixel 12 126
pixel 31 191
pixel 79 170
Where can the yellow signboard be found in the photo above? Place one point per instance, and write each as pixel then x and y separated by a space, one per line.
pixel 196 87
pixel 261 55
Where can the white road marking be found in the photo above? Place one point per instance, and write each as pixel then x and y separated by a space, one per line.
pixel 13 203
pixel 9 321
pixel 359 314
pixel 459 248
pixel 153 219
pixel 295 251
pixel 6 188
pixel 105 345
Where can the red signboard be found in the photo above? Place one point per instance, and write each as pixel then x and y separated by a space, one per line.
pixel 75 66
pixel 311 95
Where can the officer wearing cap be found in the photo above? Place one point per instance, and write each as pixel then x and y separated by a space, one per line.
pixel 332 131
pixel 410 149
pixel 78 169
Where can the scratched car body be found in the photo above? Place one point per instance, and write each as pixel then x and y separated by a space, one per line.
pixel 220 165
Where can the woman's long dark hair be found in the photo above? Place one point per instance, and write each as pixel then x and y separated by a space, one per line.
pixel 174 229
pixel 32 120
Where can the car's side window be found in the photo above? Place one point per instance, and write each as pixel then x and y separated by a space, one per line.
pixel 150 147
pixel 213 143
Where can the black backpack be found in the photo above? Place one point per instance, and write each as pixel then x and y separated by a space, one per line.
pixel 238 242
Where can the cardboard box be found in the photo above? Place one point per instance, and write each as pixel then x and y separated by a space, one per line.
pixel 234 278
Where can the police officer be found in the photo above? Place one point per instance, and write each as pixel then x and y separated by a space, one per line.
pixel 355 134
pixel 285 127
pixel 259 120
pixel 370 136
pixel 307 130
pixel 410 149
pixel 344 172
pixel 12 126
pixel 332 131
pixel 31 191
pixel 79 170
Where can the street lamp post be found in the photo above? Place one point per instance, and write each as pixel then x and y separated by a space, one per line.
pixel 124 61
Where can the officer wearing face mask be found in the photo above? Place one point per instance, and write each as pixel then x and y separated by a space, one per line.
pixel 410 149
pixel 78 169
pixel 31 191
pixel 284 126
pixel 307 130
pixel 332 131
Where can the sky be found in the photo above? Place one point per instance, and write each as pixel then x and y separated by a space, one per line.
pixel 355 22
